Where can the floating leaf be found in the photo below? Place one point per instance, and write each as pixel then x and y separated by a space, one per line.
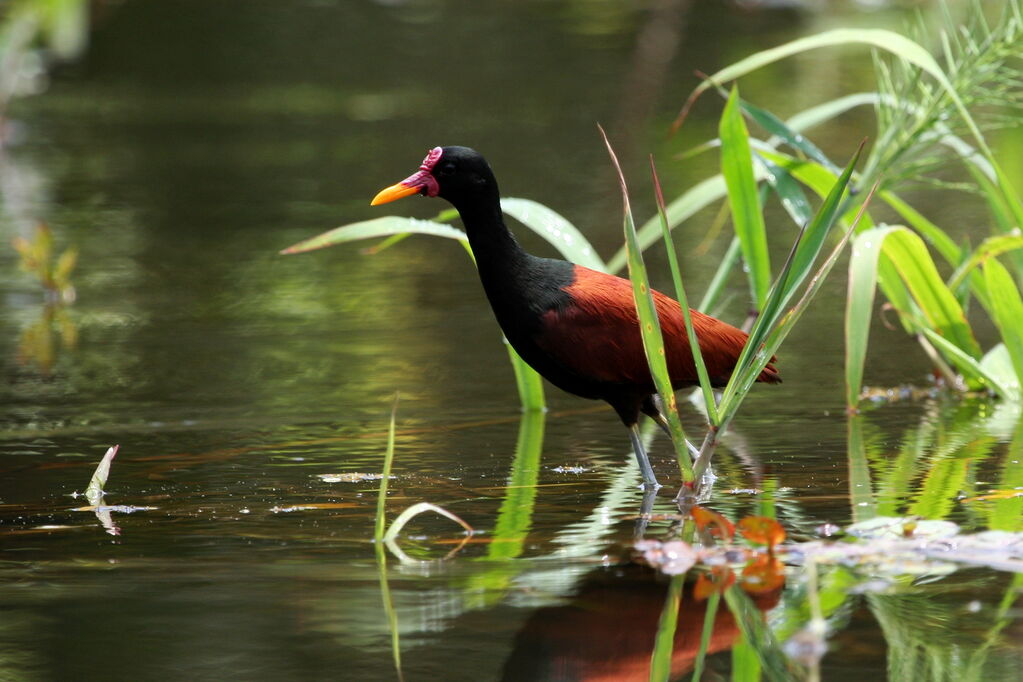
pixel 719 579
pixel 717 524
pixel 762 530
pixel 764 573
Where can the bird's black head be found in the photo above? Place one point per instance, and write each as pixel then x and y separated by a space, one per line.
pixel 458 174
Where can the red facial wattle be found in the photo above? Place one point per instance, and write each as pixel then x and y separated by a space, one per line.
pixel 420 182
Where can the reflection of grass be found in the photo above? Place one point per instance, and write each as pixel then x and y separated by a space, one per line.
pixel 378 543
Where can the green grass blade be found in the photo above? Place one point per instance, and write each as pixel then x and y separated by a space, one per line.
pixel 680 295
pixel 650 326
pixel 779 129
pixel 378 533
pixel 803 257
pixel 717 283
pixel 827 111
pixel 791 195
pixel 371 229
pixel 515 517
pixel 747 218
pixel 1006 310
pixel 708 629
pixel 889 41
pixel 861 491
pixel 550 225
pixel 696 198
pixel 753 363
pixel 664 641
pixel 378 537
pixel 859 307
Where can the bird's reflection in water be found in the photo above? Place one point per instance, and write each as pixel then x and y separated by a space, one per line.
pixel 606 632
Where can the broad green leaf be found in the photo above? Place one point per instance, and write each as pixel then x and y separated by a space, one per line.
pixel 998 364
pixel 822 113
pixel 991 247
pixel 550 225
pixel 938 305
pixel 937 237
pixel 974 371
pixel 866 248
pixel 1006 309
pixel 372 229
pixel 747 218
pixel 527 381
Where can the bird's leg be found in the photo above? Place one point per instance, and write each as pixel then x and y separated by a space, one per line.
pixel 649 480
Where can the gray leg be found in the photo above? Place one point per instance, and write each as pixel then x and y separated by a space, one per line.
pixel 644 462
pixel 663 423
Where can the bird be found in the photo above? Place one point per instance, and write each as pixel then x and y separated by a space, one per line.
pixel 577 327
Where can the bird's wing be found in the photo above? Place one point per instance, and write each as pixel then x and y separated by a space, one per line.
pixel 596 335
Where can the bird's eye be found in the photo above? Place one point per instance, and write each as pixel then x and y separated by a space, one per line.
pixel 446 169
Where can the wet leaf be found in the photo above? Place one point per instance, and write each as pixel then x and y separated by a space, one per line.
pixel 719 579
pixel 671 558
pixel 762 530
pixel 715 523
pixel 895 527
pixel 764 573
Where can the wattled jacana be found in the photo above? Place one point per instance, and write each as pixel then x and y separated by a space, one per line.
pixel 575 326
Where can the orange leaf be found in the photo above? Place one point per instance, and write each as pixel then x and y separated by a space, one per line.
pixel 718 580
pixel 762 574
pixel 718 525
pixel 762 530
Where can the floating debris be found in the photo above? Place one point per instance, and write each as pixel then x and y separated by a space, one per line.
pixel 350 477
pixel 894 394
pixel 313 506
pixel 569 470
pixel 119 508
pixel 671 558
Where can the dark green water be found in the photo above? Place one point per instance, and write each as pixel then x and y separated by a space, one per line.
pixel 196 139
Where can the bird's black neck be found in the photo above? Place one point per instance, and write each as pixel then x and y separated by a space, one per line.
pixel 520 287
pixel 498 254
